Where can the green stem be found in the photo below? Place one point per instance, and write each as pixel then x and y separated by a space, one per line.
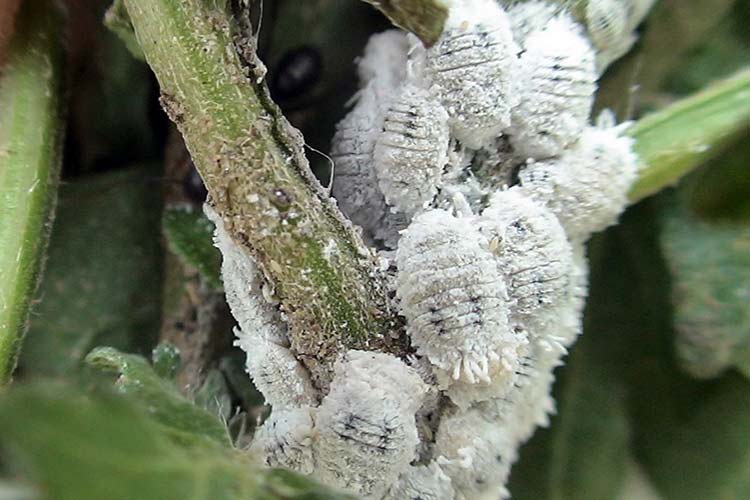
pixel 259 180
pixel 424 18
pixel 672 142
pixel 31 131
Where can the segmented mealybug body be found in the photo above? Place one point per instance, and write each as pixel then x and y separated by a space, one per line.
pixel 411 150
pixel 532 249
pixel 355 185
pixel 366 430
pixel 607 22
pixel 527 17
pixel 422 482
pixel 475 453
pixel 471 67
pixel 587 187
pixel 453 297
pixel 285 440
pixel 243 287
pixel 382 69
pixel 277 374
pixel 556 83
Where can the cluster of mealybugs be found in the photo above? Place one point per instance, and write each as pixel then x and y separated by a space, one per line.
pixel 473 167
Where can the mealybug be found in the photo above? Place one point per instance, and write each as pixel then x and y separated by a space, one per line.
pixel 411 150
pixel 556 84
pixel 366 432
pixel 285 440
pixel 277 374
pixel 472 68
pixel 425 482
pixel 243 286
pixel 532 251
pixel 587 187
pixel 454 298
pixel 475 453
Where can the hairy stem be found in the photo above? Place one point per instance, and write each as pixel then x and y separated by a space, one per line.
pixel 672 142
pixel 424 18
pixel 259 180
pixel 31 131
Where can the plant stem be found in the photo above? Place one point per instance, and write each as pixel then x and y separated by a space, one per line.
pixel 31 132
pixel 424 18
pixel 672 142
pixel 259 180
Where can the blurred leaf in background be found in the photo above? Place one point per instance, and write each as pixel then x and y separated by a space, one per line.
pixel 79 446
pixel 102 284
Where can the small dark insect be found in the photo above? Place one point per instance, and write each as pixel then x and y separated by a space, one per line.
pixel 193 185
pixel 296 74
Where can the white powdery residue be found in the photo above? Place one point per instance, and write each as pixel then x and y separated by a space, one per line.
pixel 532 251
pixel 285 440
pixel 384 61
pixel 587 186
pixel 476 453
pixel 412 149
pixel 366 434
pixel 276 372
pixel 454 298
pixel 243 287
pixel 424 482
pixel 556 84
pixel 471 68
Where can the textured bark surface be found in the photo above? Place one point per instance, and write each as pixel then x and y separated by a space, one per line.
pixel 253 164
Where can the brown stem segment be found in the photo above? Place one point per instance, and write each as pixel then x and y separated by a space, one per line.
pixel 254 167
pixel 424 18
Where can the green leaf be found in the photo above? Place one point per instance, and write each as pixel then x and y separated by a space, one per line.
pixel 584 453
pixel 118 21
pixel 166 360
pixel 190 236
pixel 681 137
pixel 31 132
pixel 103 279
pixel 710 267
pixel 94 447
pixel 159 396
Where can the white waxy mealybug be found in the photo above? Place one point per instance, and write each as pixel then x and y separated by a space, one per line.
pixel 366 431
pixel 527 17
pixel 475 453
pixel 412 149
pixel 607 22
pixel 424 482
pixel 556 84
pixel 384 62
pixel 586 187
pixel 471 68
pixel 355 185
pixel 277 374
pixel 454 298
pixel 532 251
pixel 285 440
pixel 243 286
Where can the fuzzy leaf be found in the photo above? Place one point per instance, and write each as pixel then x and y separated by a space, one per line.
pixel 80 447
pixel 31 132
pixel 710 266
pixel 190 236
pixel 102 285
pixel 159 396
